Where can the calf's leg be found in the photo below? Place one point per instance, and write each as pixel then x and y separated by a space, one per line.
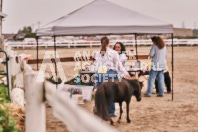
pixel 128 120
pixel 121 111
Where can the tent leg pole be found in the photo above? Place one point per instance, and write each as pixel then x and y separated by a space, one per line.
pixel 37 51
pixel 136 53
pixel 55 60
pixel 136 47
pixel 172 66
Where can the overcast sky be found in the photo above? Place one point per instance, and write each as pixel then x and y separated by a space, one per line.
pixel 29 12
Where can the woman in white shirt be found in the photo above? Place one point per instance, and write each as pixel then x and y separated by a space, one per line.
pixel 108 65
pixel 121 50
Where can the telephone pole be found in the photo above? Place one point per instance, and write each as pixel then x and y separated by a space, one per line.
pixel 2 15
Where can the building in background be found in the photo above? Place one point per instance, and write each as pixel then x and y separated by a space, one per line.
pixel 195 32
pixel 9 37
pixel 183 32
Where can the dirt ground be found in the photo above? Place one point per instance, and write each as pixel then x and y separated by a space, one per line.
pixel 151 114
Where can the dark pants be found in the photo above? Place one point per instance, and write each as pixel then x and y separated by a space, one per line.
pixel 167 81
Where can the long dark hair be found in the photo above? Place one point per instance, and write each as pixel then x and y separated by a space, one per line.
pixel 123 49
pixel 158 41
pixel 104 43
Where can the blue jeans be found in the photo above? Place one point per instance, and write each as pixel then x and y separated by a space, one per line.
pixel 152 76
pixel 100 77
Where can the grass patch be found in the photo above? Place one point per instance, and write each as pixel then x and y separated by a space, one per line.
pixel 7 123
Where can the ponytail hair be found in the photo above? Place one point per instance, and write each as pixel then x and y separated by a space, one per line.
pixel 104 43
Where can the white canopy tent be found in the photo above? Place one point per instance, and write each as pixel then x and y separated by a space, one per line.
pixel 102 17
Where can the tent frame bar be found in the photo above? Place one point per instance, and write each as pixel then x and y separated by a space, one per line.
pixel 105 34
pixel 172 65
pixel 136 47
pixel 37 43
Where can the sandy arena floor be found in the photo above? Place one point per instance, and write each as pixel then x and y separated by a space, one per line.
pixel 151 114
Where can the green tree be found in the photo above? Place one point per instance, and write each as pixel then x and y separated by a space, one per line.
pixel 28 32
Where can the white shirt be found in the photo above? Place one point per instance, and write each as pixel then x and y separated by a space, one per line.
pixel 123 59
pixel 111 60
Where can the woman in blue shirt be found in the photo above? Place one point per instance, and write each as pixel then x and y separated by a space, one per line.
pixel 158 55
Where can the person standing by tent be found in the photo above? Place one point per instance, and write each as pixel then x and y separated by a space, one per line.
pixel 158 55
pixel 120 48
pixel 108 65
pixel 167 81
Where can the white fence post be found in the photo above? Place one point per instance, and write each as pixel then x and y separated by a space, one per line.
pixel 11 67
pixel 69 44
pixel 35 107
pixel 90 44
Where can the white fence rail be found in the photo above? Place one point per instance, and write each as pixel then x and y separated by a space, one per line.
pixel 178 42
pixel 76 119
